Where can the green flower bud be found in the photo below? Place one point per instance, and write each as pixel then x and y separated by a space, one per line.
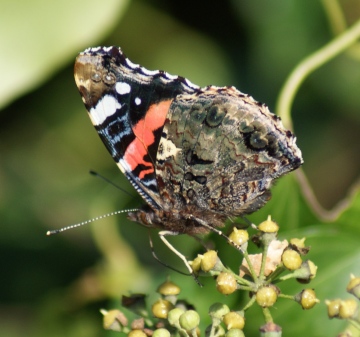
pixel 218 310
pixel 333 307
pixel 300 243
pixel 161 308
pixel 307 298
pixel 306 272
pixel 291 259
pixel 136 333
pixel 226 283
pixel 174 316
pixel 354 286
pixel 114 320
pixel 235 333
pixel 239 236
pixel 196 264
pixel 161 333
pixel 234 320
pixel 209 260
pixel 299 246
pixel 168 288
pixel 348 309
pixel 268 226
pixel 189 320
pixel 266 296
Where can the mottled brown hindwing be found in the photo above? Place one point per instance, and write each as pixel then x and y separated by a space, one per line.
pixel 221 150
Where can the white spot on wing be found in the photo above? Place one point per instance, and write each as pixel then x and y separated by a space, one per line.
pixel 106 107
pixel 137 101
pixel 122 88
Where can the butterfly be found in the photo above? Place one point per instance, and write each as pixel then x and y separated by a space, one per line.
pixel 197 156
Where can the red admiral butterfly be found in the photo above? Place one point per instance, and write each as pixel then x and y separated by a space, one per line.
pixel 196 155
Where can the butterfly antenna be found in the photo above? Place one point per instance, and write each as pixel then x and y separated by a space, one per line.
pixel 110 182
pixel 56 231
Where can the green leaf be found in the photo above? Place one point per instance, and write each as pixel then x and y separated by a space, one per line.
pixel 38 36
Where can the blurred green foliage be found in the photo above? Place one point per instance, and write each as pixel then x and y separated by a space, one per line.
pixel 55 286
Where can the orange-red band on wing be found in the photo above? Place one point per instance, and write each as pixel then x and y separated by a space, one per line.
pixel 144 133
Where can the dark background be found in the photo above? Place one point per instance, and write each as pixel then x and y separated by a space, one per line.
pixel 56 285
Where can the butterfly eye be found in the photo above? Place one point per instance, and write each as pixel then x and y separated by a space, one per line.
pixel 96 77
pixel 109 79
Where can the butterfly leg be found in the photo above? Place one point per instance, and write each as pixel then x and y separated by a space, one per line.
pixel 250 224
pixel 162 235
pixel 161 262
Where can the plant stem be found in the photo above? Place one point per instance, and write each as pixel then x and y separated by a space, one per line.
pixel 267 315
pixel 289 297
pixel 263 260
pixel 355 323
pixel 286 277
pixel 307 66
pixel 251 267
pixel 250 303
pixel 273 276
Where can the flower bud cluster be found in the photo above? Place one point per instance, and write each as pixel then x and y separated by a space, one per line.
pixel 347 309
pixel 279 261
pixel 225 322
pixel 258 274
